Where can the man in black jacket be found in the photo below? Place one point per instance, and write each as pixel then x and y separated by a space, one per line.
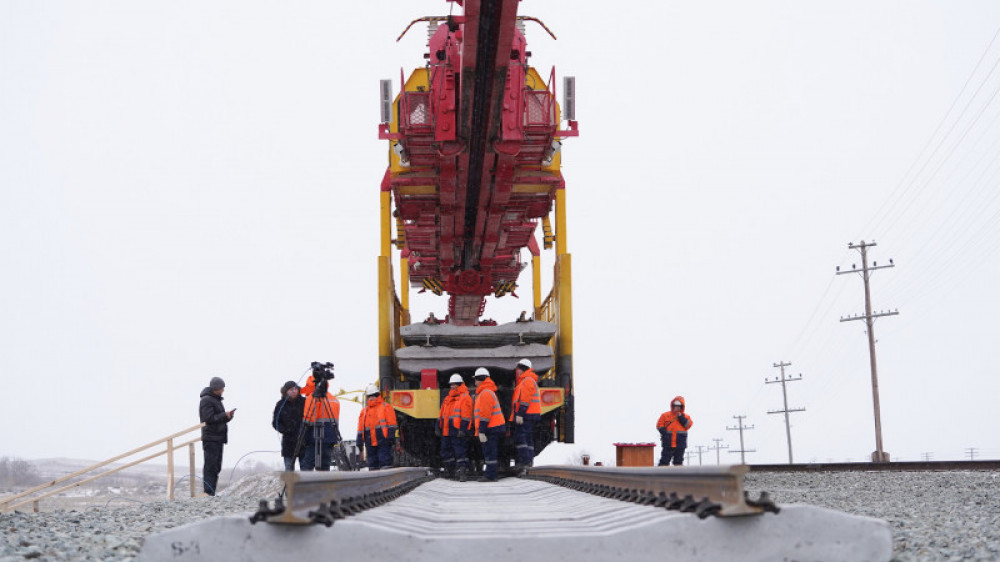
pixel 215 431
pixel 287 420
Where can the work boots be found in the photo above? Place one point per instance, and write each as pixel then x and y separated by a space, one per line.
pixel 463 474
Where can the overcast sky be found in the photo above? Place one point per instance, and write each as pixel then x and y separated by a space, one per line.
pixel 190 189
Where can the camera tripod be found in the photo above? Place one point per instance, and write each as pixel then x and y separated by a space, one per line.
pixel 320 407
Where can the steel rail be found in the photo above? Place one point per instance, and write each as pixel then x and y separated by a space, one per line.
pixel 702 490
pixel 915 466
pixel 323 497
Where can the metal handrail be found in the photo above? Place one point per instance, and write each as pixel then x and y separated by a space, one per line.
pixel 7 504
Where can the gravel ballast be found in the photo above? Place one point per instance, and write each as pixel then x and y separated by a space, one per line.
pixel 933 515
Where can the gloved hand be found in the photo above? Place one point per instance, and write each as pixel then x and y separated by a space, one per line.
pixel 682 418
pixel 518 420
pixel 482 438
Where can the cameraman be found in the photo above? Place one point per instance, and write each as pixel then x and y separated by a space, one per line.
pixel 321 415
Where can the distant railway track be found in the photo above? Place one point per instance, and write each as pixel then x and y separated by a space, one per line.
pixel 878 467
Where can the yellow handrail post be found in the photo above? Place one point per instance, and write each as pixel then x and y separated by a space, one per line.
pixel 191 466
pixel 386 312
pixel 561 221
pixel 536 285
pixel 170 469
pixel 404 283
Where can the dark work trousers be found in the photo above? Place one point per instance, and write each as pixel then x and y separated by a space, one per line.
pixel 379 456
pixel 213 465
pixel 308 459
pixel 524 438
pixel 490 448
pixel 673 453
pixel 447 454
pixel 290 463
pixel 453 451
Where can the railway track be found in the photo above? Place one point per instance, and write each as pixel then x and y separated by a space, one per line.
pixel 690 513
pixel 317 497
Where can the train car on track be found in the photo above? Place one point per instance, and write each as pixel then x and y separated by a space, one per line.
pixel 474 170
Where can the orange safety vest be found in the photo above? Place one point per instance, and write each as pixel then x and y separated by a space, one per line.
pixel 487 406
pixel 526 400
pixel 321 410
pixel 377 417
pixel 459 413
pixel 444 413
pixel 669 422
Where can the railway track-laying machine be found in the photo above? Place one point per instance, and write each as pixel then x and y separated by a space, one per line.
pixel 474 170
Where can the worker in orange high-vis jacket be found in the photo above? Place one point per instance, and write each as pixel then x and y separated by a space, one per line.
pixel 454 426
pixel 489 423
pixel 525 412
pixel 673 426
pixel 320 419
pixel 377 430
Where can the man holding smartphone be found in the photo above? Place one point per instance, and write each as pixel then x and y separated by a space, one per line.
pixel 214 434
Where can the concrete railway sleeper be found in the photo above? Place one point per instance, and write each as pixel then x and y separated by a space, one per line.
pixel 705 491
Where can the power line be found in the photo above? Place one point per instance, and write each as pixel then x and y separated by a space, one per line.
pixel 920 155
pixel 971 452
pixel 786 411
pixel 880 455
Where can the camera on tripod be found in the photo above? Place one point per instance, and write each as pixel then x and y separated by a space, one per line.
pixel 322 371
pixel 322 374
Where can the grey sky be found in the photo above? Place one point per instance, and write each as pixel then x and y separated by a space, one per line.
pixel 190 189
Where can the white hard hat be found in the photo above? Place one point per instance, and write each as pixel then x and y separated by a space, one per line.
pixel 371 390
pixel 526 363
pixel 482 373
pixel 456 379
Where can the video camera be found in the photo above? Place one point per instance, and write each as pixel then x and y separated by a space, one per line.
pixel 322 374
pixel 322 371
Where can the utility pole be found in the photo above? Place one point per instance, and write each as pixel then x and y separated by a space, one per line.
pixel 742 450
pixel 971 452
pixel 880 455
pixel 786 411
pixel 700 448
pixel 927 457
pixel 716 448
